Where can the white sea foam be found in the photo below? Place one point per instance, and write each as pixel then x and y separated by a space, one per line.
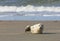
pixel 51 15
pixel 5 15
pixel 45 15
pixel 28 8
pixel 7 8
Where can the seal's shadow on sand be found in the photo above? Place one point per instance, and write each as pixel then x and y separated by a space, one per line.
pixel 49 33
pixel 44 33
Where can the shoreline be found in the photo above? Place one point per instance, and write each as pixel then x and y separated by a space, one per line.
pixel 28 20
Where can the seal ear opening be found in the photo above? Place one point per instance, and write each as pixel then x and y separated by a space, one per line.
pixel 27 28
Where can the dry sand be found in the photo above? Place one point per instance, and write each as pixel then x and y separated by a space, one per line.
pixel 14 31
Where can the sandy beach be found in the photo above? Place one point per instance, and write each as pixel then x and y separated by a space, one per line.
pixel 14 31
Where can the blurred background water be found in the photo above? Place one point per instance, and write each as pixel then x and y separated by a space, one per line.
pixel 30 10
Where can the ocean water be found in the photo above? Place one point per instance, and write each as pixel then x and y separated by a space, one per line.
pixel 30 18
pixel 29 10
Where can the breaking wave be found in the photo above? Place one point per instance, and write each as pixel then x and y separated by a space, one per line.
pixel 28 8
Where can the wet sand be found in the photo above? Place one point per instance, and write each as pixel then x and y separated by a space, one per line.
pixel 14 31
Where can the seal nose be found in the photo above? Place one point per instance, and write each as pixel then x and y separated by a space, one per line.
pixel 27 28
pixel 41 29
